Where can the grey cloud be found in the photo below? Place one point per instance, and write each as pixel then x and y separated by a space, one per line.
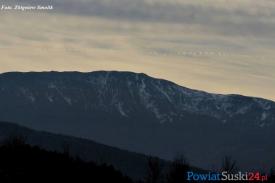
pixel 158 11
pixel 247 19
pixel 234 21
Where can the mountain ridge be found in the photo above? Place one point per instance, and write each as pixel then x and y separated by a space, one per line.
pixel 141 114
pixel 134 73
pixel 160 85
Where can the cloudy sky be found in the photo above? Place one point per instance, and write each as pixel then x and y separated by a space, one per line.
pixel 220 46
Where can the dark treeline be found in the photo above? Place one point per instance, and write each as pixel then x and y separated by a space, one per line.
pixel 175 173
pixel 20 162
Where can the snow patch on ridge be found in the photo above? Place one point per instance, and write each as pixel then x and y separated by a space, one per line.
pixel 120 109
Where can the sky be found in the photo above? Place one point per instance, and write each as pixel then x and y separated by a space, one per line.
pixel 219 46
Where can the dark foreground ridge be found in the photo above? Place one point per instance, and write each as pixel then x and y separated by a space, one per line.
pixel 129 163
pixel 20 162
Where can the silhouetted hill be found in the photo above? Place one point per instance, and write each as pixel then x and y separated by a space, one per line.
pixel 143 114
pixel 22 163
pixel 129 163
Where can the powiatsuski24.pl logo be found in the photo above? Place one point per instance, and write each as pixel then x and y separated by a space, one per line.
pixel 225 176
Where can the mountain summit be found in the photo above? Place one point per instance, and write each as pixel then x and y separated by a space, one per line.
pixel 143 114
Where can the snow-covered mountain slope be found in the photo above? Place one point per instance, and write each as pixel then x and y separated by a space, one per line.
pixel 140 113
pixel 125 93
